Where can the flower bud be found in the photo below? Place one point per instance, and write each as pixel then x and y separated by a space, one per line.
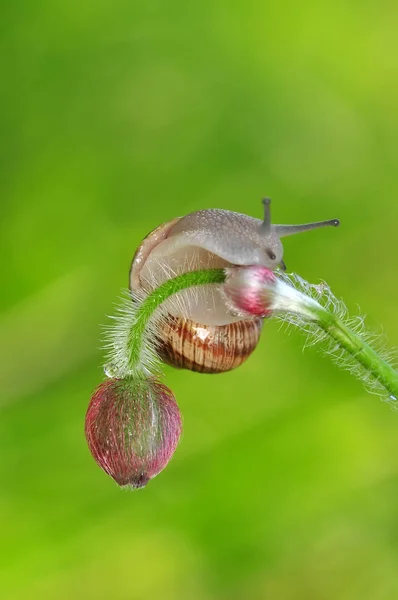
pixel 256 291
pixel 249 290
pixel 132 429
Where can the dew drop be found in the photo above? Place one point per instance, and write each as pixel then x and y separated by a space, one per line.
pixel 110 370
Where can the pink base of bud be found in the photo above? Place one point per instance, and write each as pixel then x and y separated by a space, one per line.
pixel 132 429
pixel 246 290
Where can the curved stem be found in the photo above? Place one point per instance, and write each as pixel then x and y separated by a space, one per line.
pixel 155 299
pixel 360 351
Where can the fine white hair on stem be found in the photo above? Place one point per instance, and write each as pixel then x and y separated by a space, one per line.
pixel 322 294
pixel 116 338
pixel 144 359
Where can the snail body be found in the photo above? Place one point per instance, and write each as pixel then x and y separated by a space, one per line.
pixel 199 332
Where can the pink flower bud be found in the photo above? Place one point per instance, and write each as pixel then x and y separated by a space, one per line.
pixel 132 429
pixel 249 290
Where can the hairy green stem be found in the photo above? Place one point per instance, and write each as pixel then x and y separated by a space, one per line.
pixel 154 300
pixel 360 350
pixel 354 345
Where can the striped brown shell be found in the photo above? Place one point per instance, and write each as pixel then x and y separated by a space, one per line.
pixel 212 341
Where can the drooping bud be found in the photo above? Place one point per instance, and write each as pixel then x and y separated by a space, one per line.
pixel 255 290
pixel 132 429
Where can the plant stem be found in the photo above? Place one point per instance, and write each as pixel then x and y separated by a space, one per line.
pixel 361 351
pixel 154 300
pixel 356 347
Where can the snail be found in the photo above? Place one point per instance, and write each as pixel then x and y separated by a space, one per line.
pixel 199 333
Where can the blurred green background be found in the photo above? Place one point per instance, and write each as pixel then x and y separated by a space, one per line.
pixel 116 117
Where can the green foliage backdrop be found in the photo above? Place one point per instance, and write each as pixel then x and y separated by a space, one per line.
pixel 116 117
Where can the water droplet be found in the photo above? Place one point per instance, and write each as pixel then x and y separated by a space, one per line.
pixel 110 370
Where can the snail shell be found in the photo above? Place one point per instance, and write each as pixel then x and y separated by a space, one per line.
pixel 208 348
pixel 198 332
